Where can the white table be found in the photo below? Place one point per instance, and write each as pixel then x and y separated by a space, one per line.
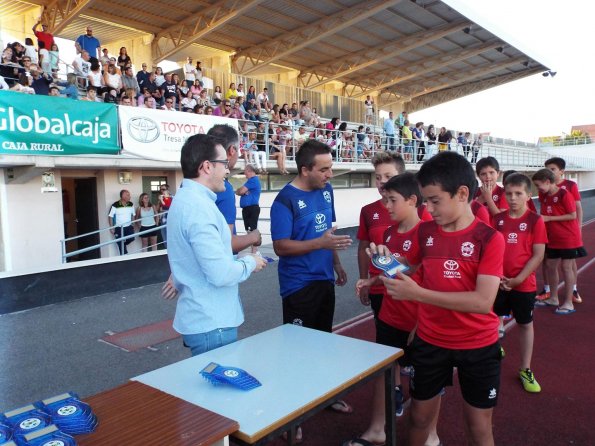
pixel 301 370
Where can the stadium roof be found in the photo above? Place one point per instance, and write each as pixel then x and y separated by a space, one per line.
pixel 423 52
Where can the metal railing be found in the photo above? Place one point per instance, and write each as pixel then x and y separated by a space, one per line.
pixel 119 241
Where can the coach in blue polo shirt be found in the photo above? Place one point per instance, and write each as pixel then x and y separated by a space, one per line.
pixel 89 43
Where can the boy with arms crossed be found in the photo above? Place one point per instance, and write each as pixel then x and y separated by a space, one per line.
pixel 461 266
pixel 558 209
pixel 557 166
pixel 525 238
pixel 397 319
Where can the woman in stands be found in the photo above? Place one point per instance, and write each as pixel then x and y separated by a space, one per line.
pixel 251 93
pixel 278 150
pixel 147 214
pixel 22 86
pixel 199 74
pixel 123 59
pixel 275 117
pixel 231 93
pixel 112 79
pixel 95 77
pixel 217 95
pixel 431 135
pixel 196 89
pixel 159 77
pixel 209 110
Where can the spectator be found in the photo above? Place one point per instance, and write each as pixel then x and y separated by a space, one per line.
pixel 407 140
pixel 251 93
pixel 400 122
pixel 203 99
pixel 196 89
pixel 23 85
pixel 147 219
pixel 112 79
pixel 253 111
pixel 44 58
pixel 277 150
pixel 419 139
pixel 300 136
pixel 362 147
pixel 120 220
pixel 431 136
pixel 249 194
pixel 209 110
pixel 26 64
pixel 123 59
pixel 223 110
pixel 18 52
pixel 30 50
pixel 87 42
pixel 143 77
pixel 217 95
pixel 54 91
pixel 104 59
pixel 305 113
pixel 467 144
pixel 189 72
pixel 236 111
pixel 54 60
pixel 240 93
pixel 169 89
pixel 95 78
pixel 150 103
pixel 369 106
pixel 477 146
pixel 169 105
pixel 41 81
pixel 389 131
pixel 126 101
pixel 294 114
pixel 199 74
pixel 82 67
pixel 143 97
pixel 188 103
pixel 263 99
pixel 3 84
pixel 70 89
pixel 444 138
pixel 260 154
pixel 199 110
pixel 91 95
pixel 43 36
pixel 231 93
pixel 110 96
pixel 159 77
pixel 129 81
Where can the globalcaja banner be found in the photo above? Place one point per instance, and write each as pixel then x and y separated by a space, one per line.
pixel 47 125
pixel 160 134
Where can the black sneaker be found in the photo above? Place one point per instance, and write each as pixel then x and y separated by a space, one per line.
pixel 398 402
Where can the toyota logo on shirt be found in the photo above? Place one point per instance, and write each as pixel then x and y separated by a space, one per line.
pixel 320 218
pixel 512 238
pixel 320 223
pixel 451 269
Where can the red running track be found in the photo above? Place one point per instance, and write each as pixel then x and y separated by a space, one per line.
pixel 564 365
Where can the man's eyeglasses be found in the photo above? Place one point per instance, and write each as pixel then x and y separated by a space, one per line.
pixel 224 162
pixel 169 102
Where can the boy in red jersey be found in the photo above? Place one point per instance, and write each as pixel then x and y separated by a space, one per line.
pixel 461 266
pixel 396 319
pixel 525 238
pixel 490 194
pixel 558 209
pixel 373 221
pixel 558 165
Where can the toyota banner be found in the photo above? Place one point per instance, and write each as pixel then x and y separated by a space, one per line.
pixel 160 134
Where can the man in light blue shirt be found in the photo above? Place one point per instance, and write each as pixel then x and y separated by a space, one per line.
pixel 204 269
pixel 389 130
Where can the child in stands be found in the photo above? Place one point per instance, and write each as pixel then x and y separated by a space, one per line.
pixel 558 209
pixel 557 166
pixel 397 319
pixel 461 260
pixel 525 238
pixel 490 193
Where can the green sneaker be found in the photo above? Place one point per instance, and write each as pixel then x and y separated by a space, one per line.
pixel 530 384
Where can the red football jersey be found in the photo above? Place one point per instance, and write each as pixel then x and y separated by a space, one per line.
pixel 498 196
pixel 531 205
pixel 520 234
pixel 423 214
pixel 571 187
pixel 401 314
pixel 374 220
pixel 451 262
pixel 561 234
pixel 480 212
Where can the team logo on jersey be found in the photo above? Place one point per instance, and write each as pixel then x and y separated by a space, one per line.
pixel 301 204
pixel 495 198
pixel 548 210
pixel 501 223
pixel 512 237
pixel 327 196
pixel 320 218
pixel 523 226
pixel 493 393
pixel 451 269
pixel 430 241
pixel 563 187
pixel 555 199
pixel 376 216
pixel 406 245
pixel 298 321
pixel 467 249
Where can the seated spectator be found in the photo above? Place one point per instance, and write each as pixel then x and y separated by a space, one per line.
pixel 70 89
pixel 81 65
pixel 143 97
pixel 10 70
pixel 231 93
pixel 41 82
pixel 223 110
pixel 196 88
pixel 217 95
pixel 208 110
pixel 300 136
pixel 305 114
pixel 95 78
pixel 249 148
pixel 23 85
pixel 110 96
pixel 104 58
pixel 111 78
pixel 253 111
pixel 362 145
pixel 169 105
pixel 263 99
pixel 188 103
pixel 240 93
pixel 3 84
pixel 18 52
pixel 126 101
pixel 251 93
pixel 27 64
pixel 236 111
pixel 54 91
pixel 169 89
pixel 277 151
pixel 91 95
pixel 275 115
pixel 129 81
pixel 199 109
pixel 149 103
pixel 294 114
pixel 159 77
pixel 142 77
pixel 203 99
pixel 30 50
pixel 315 117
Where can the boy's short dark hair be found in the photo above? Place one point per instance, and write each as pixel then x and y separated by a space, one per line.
pixel 488 161
pixel 196 150
pixel 406 185
pixel 387 158
pixel 518 179
pixel 307 153
pixel 450 171
pixel 557 161
pixel 544 175
pixel 507 173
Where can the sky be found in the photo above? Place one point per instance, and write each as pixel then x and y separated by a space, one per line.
pixel 557 34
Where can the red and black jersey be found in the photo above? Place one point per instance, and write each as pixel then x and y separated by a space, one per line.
pixel 561 234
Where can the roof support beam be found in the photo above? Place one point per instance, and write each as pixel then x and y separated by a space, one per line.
pixel 196 26
pixel 58 14
pixel 366 58
pixel 278 48
pixel 429 65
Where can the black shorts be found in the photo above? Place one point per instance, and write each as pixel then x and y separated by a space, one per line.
pixel 313 306
pixel 478 371
pixel 250 216
pixel 375 303
pixel 520 303
pixel 148 234
pixel 393 337
pixel 565 254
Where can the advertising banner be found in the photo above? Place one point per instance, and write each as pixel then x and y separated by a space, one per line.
pixel 44 125
pixel 160 134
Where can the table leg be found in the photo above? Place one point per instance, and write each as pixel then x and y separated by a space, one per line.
pixel 390 406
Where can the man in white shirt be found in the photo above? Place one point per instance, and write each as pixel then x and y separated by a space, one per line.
pixel 263 99
pixel 121 215
pixel 82 68
pixel 190 72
